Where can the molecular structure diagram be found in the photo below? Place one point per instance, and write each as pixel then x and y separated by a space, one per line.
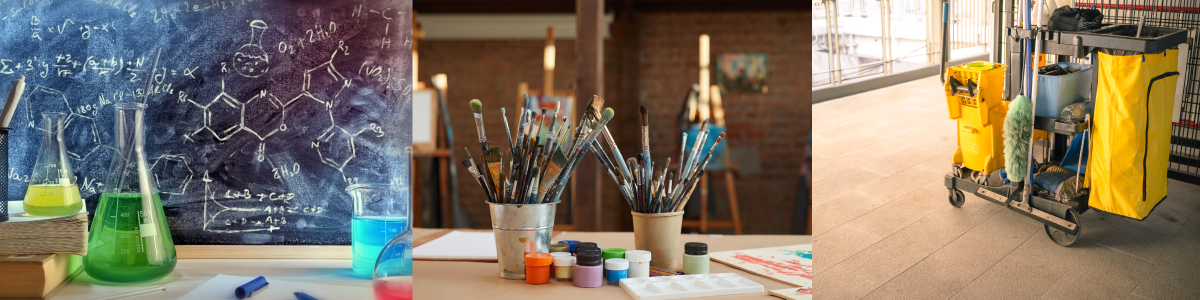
pixel 80 130
pixel 264 115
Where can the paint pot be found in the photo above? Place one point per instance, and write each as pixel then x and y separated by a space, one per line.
pixel 560 248
pixel 520 229
pixel 554 255
pixel 588 271
pixel 616 269
pixel 639 263
pixel 610 253
pixel 659 234
pixel 584 245
pixel 564 268
pixel 695 258
pixel 570 243
pixel 537 268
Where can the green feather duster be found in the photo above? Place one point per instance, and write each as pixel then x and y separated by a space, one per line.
pixel 1018 128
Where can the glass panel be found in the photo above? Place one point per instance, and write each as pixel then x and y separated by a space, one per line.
pixel 822 54
pixel 860 38
pixel 909 32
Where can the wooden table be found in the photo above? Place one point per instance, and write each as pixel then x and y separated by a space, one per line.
pixel 432 279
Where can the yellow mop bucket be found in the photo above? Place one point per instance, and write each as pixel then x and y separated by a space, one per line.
pixel 973 98
pixel 1131 135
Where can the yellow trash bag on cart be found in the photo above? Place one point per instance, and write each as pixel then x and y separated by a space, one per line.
pixel 1131 132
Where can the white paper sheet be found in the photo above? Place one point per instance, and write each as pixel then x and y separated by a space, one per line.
pixel 222 286
pixel 459 244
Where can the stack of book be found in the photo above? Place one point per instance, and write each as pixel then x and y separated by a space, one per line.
pixel 39 255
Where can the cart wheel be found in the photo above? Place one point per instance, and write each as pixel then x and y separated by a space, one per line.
pixel 956 198
pixel 957 171
pixel 1063 238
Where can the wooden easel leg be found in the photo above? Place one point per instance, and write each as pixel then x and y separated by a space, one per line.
pixel 444 191
pixel 733 203
pixel 704 203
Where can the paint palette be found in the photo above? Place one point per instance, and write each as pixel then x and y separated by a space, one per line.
pixel 689 286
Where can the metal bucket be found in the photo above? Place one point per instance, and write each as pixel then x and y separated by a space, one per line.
pixel 520 229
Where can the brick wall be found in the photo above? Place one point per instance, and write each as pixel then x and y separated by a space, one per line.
pixel 773 125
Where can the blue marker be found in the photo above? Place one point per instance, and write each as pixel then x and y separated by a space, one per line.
pixel 303 296
pixel 250 287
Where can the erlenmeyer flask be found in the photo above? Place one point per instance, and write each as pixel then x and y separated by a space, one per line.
pixel 129 241
pixel 52 190
pixel 394 269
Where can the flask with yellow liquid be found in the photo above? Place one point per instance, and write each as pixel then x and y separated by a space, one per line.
pixel 52 189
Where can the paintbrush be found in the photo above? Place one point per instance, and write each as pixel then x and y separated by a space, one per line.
pixel 710 151
pixel 682 158
pixel 507 132
pixel 612 145
pixel 646 149
pixel 694 156
pixel 700 169
pixel 492 159
pixel 609 167
pixel 477 109
pixel 573 162
pixel 487 181
pixel 478 178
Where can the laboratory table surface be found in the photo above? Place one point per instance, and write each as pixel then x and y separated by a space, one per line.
pixel 432 279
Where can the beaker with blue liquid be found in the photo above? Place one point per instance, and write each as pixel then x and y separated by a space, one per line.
pixel 380 214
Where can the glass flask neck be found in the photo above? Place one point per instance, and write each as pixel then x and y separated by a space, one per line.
pixel 129 172
pixel 53 165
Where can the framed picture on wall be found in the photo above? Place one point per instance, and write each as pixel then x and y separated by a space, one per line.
pixel 742 72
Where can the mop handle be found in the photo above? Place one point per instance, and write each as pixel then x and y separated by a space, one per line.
pixel 1032 140
pixel 1087 119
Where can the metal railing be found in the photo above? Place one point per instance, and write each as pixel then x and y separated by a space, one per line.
pixel 853 38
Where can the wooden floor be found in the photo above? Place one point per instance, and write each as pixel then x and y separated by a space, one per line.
pixel 883 227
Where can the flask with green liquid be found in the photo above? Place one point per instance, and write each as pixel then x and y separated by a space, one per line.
pixel 129 241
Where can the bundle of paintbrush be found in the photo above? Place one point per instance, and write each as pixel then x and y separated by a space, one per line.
pixel 542 155
pixel 649 190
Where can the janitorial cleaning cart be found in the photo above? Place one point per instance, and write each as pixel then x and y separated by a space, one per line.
pixel 1103 122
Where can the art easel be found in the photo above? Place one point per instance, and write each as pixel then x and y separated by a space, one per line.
pixel 727 172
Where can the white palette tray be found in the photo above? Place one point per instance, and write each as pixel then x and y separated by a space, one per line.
pixel 689 286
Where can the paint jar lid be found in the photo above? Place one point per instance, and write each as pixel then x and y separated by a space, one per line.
pixel 538 259
pixel 637 255
pixel 616 264
pixel 557 254
pixel 564 261
pixel 588 258
pixel 586 245
pixel 570 243
pixel 613 253
pixel 560 248
pixel 695 248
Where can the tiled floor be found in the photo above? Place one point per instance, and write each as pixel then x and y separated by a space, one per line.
pixel 884 229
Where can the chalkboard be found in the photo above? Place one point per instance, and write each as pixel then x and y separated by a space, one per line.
pixel 260 113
